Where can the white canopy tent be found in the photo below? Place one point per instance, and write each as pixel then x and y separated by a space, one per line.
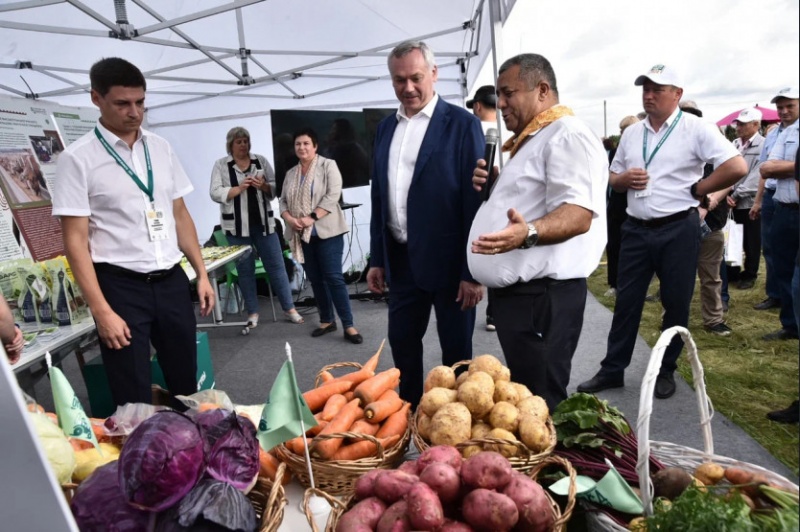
pixel 214 64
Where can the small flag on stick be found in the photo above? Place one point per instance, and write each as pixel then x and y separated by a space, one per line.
pixel 71 417
pixel 286 414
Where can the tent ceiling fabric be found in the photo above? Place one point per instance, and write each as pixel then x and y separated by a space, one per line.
pixel 207 59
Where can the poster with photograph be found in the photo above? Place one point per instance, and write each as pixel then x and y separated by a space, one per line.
pixel 74 122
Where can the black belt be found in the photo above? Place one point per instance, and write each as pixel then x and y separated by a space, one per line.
pixel 658 222
pixel 790 206
pixel 534 286
pixel 149 277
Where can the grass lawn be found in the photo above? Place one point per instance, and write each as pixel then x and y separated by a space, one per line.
pixel 746 377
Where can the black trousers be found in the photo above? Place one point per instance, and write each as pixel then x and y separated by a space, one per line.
pixel 670 251
pixel 409 314
pixel 160 312
pixel 751 244
pixel 615 217
pixel 538 325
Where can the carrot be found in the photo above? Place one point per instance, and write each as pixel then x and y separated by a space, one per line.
pixel 371 389
pixel 343 420
pixel 362 426
pixel 324 378
pixel 363 449
pixel 79 444
pixel 313 431
pixel 267 465
pixel 349 396
pixel 396 424
pixel 99 429
pixel 334 403
pixel 296 445
pixel 316 398
pixel 372 363
pixel 386 405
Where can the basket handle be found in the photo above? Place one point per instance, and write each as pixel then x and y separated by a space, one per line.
pixel 573 479
pixel 333 501
pixel 355 436
pixel 318 378
pixel 646 407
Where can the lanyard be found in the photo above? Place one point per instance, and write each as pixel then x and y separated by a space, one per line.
pixel 149 188
pixel 660 142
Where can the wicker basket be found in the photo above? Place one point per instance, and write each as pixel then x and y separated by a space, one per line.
pixel 671 454
pixel 338 477
pixel 526 458
pixel 560 519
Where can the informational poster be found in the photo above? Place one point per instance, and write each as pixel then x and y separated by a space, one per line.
pixel 73 123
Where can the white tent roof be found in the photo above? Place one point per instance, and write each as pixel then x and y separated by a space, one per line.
pixel 214 58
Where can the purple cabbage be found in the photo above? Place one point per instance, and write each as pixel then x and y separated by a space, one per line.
pixel 211 506
pixel 161 461
pixel 100 506
pixel 231 448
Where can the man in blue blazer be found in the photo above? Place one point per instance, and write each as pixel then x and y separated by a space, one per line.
pixel 423 204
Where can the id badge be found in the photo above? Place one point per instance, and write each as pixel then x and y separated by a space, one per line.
pixel 648 191
pixel 156 224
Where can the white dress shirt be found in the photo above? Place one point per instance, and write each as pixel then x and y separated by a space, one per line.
pixel 676 166
pixel 90 183
pixel 403 153
pixel 563 163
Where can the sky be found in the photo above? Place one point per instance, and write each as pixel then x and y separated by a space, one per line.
pixel 731 53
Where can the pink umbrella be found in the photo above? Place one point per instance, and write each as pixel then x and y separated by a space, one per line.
pixel 767 115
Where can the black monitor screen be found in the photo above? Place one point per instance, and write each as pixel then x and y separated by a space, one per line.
pixel 342 136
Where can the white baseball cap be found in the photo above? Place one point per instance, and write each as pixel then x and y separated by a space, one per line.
pixel 660 75
pixel 748 115
pixel 788 92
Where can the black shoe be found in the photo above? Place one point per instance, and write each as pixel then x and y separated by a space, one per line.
pixel 319 331
pixel 653 298
pixel 353 338
pixel 600 382
pixel 665 386
pixel 781 334
pixel 768 303
pixel 720 329
pixel 746 284
pixel 724 306
pixel 787 415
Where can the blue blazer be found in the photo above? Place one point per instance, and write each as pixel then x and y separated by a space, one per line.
pixel 441 200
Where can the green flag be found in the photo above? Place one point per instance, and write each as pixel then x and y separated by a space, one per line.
pixel 71 417
pixel 285 407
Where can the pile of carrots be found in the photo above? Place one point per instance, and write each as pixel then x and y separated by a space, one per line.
pixel 357 403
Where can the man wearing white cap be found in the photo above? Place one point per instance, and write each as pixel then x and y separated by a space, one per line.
pixel 749 143
pixel 659 163
pixel 783 234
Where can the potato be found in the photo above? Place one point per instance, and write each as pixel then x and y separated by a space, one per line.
pixel 506 450
pixel 534 508
pixel 424 425
pixel 488 364
pixel 393 485
pixel 441 454
pixel 435 399
pixel 505 391
pixel 471 450
pixel 425 510
pixel 440 377
pixel 451 424
pixel 709 473
pixel 365 513
pixel 395 518
pixel 487 470
pixel 462 377
pixel 485 380
pixel 455 526
pixel 409 466
pixel 534 433
pixel 504 416
pixel 639 524
pixel 480 430
pixel 504 376
pixel 474 396
pixel 670 482
pixel 535 406
pixel 365 485
pixel 522 390
pixel 443 479
pixel 484 509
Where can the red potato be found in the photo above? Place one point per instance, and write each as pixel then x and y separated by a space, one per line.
pixel 362 517
pixel 487 469
pixel 365 485
pixel 409 466
pixel 488 510
pixel 443 479
pixel 455 526
pixel 424 507
pixel 395 519
pixel 535 513
pixel 393 485
pixel 440 453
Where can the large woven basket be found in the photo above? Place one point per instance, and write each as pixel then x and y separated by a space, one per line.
pixel 338 477
pixel 525 459
pixel 671 454
pixel 560 519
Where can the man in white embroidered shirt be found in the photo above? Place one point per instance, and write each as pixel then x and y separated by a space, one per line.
pixel 542 231
pixel 660 163
pixel 119 192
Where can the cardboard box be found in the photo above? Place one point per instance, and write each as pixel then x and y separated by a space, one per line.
pixel 94 374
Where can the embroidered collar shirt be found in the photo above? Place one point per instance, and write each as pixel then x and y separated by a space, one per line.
pixel 406 142
pixel 785 149
pixel 675 167
pixel 90 183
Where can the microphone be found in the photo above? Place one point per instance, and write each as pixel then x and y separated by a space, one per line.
pixel 488 156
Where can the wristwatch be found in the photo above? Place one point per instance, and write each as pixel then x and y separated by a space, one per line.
pixel 531 239
pixel 314 216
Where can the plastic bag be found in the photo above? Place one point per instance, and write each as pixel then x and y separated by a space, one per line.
pixel 127 417
pixel 199 401
pixel 734 243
